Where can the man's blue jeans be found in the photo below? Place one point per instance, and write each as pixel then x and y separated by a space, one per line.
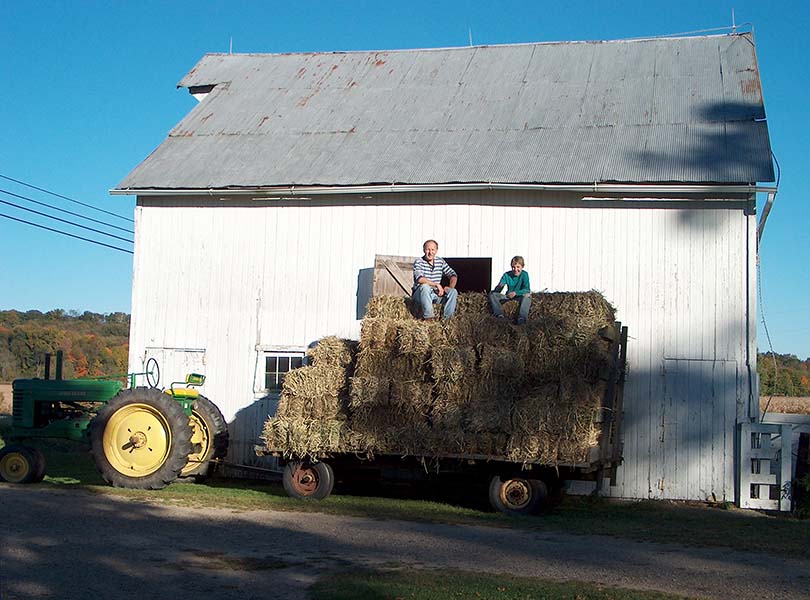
pixel 426 296
pixel 496 299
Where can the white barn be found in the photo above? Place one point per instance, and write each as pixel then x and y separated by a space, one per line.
pixel 630 167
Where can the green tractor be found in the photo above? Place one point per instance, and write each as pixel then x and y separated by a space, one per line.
pixel 139 437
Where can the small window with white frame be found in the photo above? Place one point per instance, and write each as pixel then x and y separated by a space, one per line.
pixel 277 365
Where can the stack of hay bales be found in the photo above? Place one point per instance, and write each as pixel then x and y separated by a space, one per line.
pixel 313 407
pixel 473 385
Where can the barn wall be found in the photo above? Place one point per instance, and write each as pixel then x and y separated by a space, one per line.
pixel 218 280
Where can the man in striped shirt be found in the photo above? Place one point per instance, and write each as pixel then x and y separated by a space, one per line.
pixel 427 282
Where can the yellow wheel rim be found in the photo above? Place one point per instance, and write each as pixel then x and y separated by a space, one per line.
pixel 200 442
pixel 14 467
pixel 137 440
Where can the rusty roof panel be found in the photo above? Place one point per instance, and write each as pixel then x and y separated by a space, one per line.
pixel 663 110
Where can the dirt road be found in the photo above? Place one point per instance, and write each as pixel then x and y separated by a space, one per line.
pixel 73 545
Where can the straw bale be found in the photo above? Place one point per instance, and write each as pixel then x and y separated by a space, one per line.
pixel 389 307
pixel 490 405
pixel 369 391
pixel 303 438
pixel 472 303
pixel 497 360
pixel 315 380
pixel 311 407
pixel 332 351
pixel 377 333
pixel 416 394
pixel 413 337
pixel 452 363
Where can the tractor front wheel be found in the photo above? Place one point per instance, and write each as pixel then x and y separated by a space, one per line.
pixel 209 438
pixel 19 464
pixel 141 439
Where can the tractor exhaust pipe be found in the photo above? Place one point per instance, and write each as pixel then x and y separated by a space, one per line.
pixel 58 364
pixel 48 366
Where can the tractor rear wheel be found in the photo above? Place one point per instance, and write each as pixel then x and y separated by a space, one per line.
pixel 40 463
pixel 308 481
pixel 141 439
pixel 209 438
pixel 18 464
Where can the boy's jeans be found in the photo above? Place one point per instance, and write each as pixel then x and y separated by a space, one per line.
pixel 426 296
pixel 496 299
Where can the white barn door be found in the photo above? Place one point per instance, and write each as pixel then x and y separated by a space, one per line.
pixel 175 364
pixel 697 421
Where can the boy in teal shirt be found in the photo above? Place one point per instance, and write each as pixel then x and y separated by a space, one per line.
pixel 517 288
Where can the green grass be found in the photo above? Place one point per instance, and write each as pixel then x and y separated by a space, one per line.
pixel 447 585
pixel 70 465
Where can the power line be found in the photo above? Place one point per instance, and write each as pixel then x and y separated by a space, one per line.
pixel 33 187
pixel 78 237
pixel 66 211
pixel 42 214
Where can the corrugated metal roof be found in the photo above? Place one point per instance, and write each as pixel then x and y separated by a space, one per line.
pixel 659 110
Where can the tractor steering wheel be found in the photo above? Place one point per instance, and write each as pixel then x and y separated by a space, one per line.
pixel 152 373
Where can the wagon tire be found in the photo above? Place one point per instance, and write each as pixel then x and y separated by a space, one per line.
pixel 18 464
pixel 517 495
pixel 140 439
pixel 308 481
pixel 209 439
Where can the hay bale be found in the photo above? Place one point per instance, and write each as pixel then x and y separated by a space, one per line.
pixel 499 361
pixel 452 363
pixel 332 351
pixel 304 438
pixel 413 337
pixel 369 391
pixel 472 303
pixel 377 333
pixel 312 381
pixel 389 307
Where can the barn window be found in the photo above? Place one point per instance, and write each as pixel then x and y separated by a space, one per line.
pixel 277 365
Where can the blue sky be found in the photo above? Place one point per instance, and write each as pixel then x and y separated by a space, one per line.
pixel 87 90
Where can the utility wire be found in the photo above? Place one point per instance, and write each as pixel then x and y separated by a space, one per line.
pixel 42 214
pixel 33 187
pixel 66 211
pixel 68 234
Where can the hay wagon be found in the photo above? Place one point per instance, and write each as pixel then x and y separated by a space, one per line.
pixel 475 401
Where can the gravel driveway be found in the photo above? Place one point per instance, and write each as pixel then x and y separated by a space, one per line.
pixel 73 545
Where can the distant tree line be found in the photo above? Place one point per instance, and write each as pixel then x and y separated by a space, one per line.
pixel 98 345
pixel 790 376
pixel 93 344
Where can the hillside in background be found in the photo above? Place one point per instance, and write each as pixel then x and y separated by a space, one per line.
pixel 94 344
pixel 789 376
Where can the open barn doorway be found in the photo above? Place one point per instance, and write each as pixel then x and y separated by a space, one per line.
pixel 474 274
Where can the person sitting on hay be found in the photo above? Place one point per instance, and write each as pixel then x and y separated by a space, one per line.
pixel 517 288
pixel 427 282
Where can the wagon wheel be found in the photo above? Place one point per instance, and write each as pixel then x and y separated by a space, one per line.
pixel 209 438
pixel 517 495
pixel 140 439
pixel 18 464
pixel 308 481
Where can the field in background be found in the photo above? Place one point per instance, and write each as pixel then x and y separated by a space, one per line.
pixel 785 404
pixel 5 398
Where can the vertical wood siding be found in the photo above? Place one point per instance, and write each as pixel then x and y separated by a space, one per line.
pixel 231 276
